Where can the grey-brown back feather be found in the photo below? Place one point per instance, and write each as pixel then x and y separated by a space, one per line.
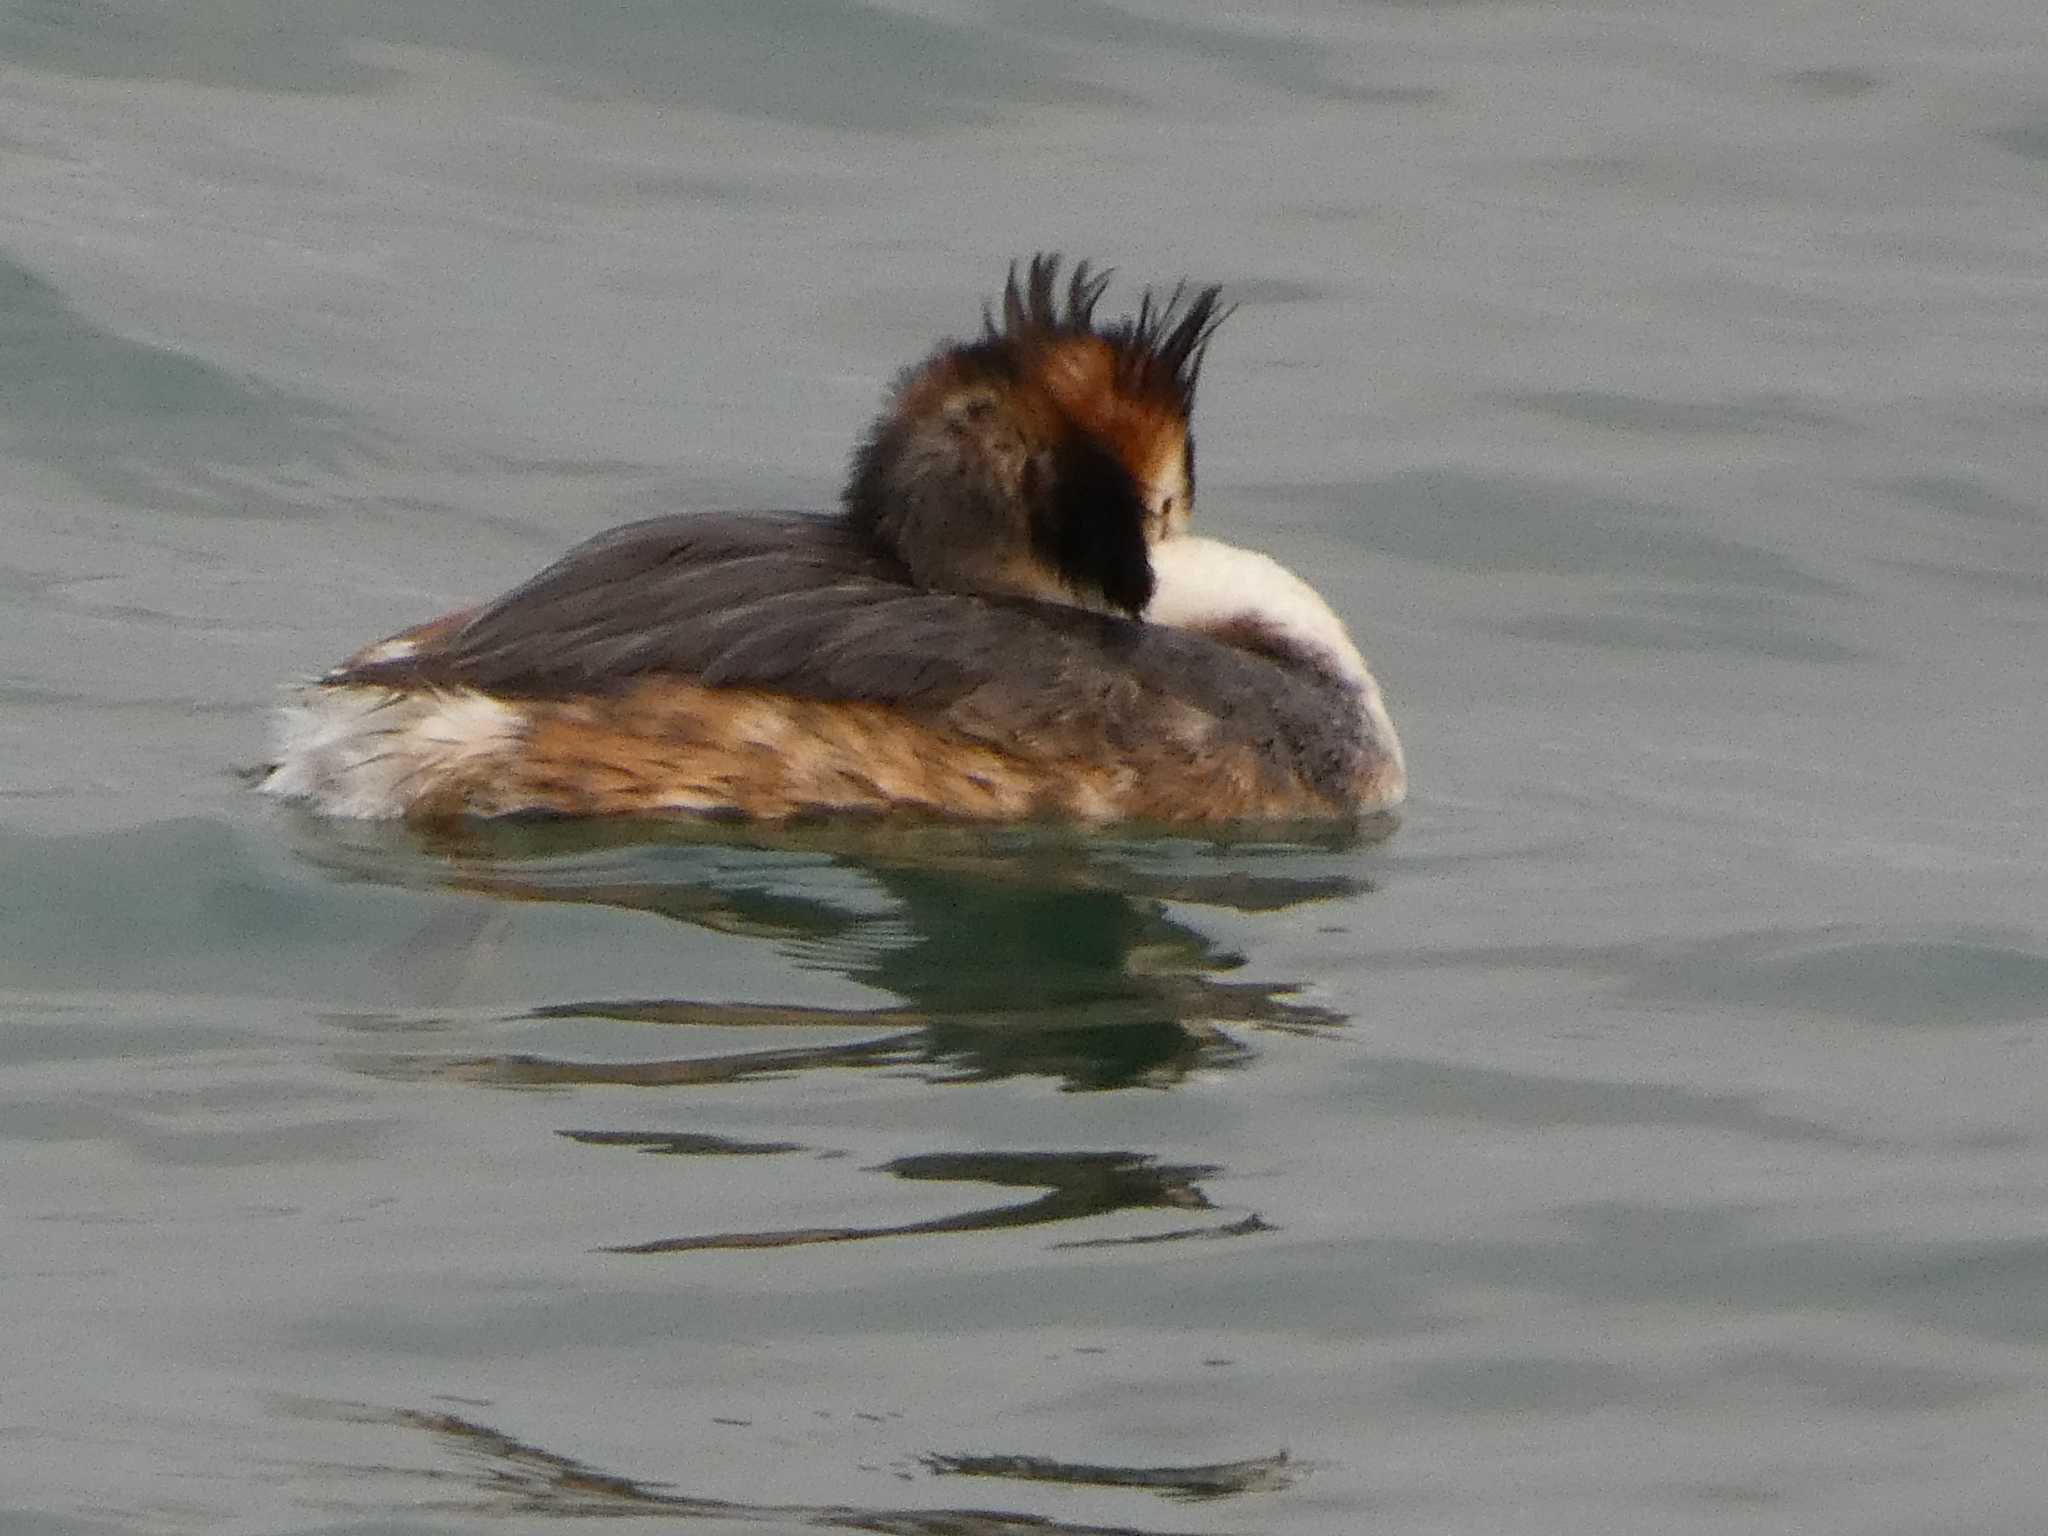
pixel 796 603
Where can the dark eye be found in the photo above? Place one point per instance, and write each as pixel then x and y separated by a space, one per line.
pixel 1166 507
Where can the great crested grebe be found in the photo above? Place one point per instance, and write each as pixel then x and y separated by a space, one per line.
pixel 1005 620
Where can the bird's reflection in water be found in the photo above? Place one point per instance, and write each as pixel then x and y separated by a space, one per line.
pixel 1076 1184
pixel 1018 952
pixel 496 1475
pixel 1035 951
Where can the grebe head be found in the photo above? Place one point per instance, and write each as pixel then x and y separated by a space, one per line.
pixel 1045 457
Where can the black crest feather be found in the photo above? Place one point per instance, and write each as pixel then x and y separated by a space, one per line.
pixel 1159 350
pixel 1032 307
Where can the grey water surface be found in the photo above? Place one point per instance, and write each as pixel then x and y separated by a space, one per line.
pixel 1647 1135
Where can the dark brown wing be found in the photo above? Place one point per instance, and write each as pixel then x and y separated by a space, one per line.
pixel 666 595
pixel 793 603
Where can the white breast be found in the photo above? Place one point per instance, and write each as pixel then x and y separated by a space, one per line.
pixel 1205 585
